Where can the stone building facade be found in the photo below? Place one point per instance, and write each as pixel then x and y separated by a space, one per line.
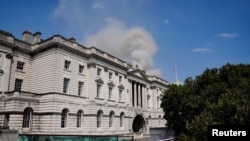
pixel 56 86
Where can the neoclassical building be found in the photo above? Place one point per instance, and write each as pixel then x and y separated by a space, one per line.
pixel 56 86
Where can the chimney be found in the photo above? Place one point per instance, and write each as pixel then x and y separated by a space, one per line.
pixel 72 39
pixel 36 37
pixel 27 36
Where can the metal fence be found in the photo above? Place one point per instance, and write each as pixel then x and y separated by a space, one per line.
pixel 74 138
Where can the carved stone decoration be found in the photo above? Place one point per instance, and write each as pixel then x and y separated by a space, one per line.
pixel 100 81
pixel 121 86
pixel 111 84
pixel 148 96
pixel 91 65
pixel 139 111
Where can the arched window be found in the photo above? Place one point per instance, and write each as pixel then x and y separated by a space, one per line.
pixel 79 118
pixel 111 118
pixel 6 121
pixel 121 119
pixel 99 118
pixel 64 117
pixel 27 118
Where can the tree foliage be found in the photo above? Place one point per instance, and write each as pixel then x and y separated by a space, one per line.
pixel 217 96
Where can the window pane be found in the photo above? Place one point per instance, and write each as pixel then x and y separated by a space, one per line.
pixel 65 85
pixel 110 92
pixel 64 118
pixel 110 75
pixel 120 78
pixel 98 90
pixel 79 118
pixel 20 65
pixel 66 64
pixel 18 85
pixel 99 119
pixel 121 119
pixel 80 88
pixel 26 118
pixel 98 71
pixel 120 95
pixel 81 68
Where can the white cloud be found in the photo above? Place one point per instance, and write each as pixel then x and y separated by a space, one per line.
pixel 201 50
pixel 69 12
pixel 98 5
pixel 134 45
pixel 227 35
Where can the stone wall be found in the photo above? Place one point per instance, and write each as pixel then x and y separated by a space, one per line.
pixel 8 135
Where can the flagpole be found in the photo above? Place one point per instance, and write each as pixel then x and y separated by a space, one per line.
pixel 175 69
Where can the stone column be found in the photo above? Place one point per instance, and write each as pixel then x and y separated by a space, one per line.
pixel 144 97
pixel 139 95
pixel 5 68
pixel 130 94
pixel 135 94
pixel 153 98
pixel 142 93
pixel 92 83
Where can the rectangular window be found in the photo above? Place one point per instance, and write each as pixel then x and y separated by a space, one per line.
pixel 66 64
pixel 65 85
pixel 120 95
pixel 98 88
pixel 99 71
pixel 19 65
pixel 81 68
pixel 110 93
pixel 18 85
pixel 120 79
pixel 110 75
pixel 80 88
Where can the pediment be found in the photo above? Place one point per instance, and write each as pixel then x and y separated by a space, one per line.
pixel 140 74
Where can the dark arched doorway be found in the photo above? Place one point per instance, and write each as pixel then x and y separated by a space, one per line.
pixel 139 124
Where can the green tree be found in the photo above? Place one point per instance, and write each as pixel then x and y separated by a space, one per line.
pixel 217 96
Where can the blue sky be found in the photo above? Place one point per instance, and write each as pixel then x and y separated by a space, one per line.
pixel 155 34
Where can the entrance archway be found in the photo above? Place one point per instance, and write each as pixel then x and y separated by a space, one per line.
pixel 138 124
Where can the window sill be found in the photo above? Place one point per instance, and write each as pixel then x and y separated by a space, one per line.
pixel 67 70
pixel 111 100
pixel 26 129
pixel 81 74
pixel 99 98
pixel 21 71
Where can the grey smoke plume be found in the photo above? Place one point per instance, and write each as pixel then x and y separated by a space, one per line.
pixel 134 45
